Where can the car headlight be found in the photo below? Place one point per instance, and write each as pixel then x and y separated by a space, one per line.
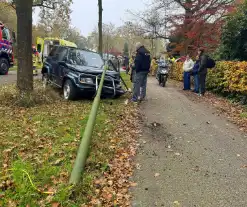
pixel 86 80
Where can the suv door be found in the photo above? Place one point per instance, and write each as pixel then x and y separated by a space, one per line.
pixel 55 60
pixel 62 52
pixel 52 62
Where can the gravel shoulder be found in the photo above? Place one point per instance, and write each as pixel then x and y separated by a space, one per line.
pixel 188 156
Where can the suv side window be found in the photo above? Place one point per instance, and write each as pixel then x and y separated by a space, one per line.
pixel 53 52
pixel 61 53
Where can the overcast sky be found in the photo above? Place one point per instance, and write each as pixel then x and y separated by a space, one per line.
pixel 85 12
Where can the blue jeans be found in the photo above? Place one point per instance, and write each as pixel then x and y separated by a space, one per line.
pixel 186 80
pixel 140 85
pixel 196 83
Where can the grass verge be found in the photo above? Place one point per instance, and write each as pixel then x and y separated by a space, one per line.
pixel 38 146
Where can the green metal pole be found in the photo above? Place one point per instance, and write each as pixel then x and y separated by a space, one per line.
pixel 82 153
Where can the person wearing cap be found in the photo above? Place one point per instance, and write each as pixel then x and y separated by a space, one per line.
pixel 142 67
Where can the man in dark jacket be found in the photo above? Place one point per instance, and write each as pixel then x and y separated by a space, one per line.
pixel 202 71
pixel 142 67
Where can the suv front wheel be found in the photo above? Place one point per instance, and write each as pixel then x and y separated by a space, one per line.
pixel 69 90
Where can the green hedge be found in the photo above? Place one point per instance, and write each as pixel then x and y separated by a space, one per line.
pixel 226 77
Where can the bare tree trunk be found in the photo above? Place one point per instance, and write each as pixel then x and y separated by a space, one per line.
pixel 24 45
pixel 187 23
pixel 100 46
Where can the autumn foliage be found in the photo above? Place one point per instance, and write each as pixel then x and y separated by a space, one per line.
pixel 200 23
pixel 226 77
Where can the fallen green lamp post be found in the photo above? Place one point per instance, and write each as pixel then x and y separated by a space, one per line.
pixel 82 153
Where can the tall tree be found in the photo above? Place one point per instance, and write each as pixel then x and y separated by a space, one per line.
pixel 74 35
pixel 131 33
pixel 24 42
pixel 115 37
pixel 100 46
pixel 56 21
pixel 197 21
pixel 234 36
pixel 24 39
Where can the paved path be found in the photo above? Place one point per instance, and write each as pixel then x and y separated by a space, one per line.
pixel 11 78
pixel 191 156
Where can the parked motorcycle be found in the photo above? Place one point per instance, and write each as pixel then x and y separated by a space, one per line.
pixel 162 73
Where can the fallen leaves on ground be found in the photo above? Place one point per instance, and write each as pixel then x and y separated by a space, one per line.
pixel 176 204
pixel 112 188
pixel 43 141
pixel 156 175
pixel 55 204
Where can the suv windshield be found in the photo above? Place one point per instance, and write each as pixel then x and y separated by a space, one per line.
pixel 6 34
pixel 85 58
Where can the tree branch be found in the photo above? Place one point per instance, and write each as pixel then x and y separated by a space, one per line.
pixel 42 4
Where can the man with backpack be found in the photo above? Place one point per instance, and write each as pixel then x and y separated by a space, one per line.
pixel 142 67
pixel 205 62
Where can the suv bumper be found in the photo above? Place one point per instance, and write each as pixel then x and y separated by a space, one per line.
pixel 106 90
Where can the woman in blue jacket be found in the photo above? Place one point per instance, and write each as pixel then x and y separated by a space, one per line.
pixel 196 76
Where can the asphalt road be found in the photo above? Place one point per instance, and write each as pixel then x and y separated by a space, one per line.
pixel 188 156
pixel 11 78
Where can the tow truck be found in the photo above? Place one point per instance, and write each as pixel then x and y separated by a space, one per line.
pixel 6 49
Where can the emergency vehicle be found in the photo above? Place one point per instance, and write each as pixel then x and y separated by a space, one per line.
pixel 6 49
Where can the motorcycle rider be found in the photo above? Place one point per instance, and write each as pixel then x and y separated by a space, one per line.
pixel 162 64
